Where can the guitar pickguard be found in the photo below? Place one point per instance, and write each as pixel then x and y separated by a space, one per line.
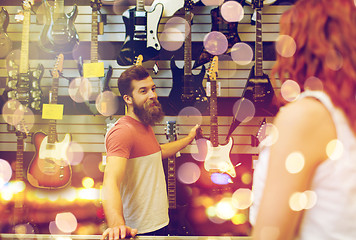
pixel 218 158
pixel 141 35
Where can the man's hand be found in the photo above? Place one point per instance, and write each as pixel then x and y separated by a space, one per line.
pixel 119 232
pixel 192 133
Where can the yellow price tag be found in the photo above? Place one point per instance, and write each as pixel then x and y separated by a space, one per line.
pixel 93 70
pixel 52 111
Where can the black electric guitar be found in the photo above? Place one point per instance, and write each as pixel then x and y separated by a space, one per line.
pixel 50 168
pixel 258 88
pixel 187 89
pixel 59 34
pixel 141 33
pixel 178 225
pixel 229 29
pixel 23 83
pixel 5 41
pixel 261 134
pixel 218 156
pixel 98 84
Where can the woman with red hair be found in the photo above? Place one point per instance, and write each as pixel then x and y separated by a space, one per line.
pixel 305 179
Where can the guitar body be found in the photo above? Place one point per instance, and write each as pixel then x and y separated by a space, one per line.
pixel 5 41
pixel 198 98
pixel 218 158
pixel 141 35
pixel 49 167
pixel 217 24
pixel 59 34
pixel 178 225
pixel 258 89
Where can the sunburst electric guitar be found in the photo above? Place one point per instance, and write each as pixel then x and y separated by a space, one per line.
pixel 50 167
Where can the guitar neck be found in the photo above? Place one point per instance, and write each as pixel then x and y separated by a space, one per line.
pixel 171 183
pixel 58 8
pixel 213 115
pixel 53 99
pixel 24 62
pixel 258 45
pixel 140 5
pixel 188 85
pixel 19 159
pixel 94 37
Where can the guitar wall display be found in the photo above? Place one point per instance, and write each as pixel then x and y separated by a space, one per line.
pixel 187 89
pixel 229 29
pixel 178 225
pixel 5 41
pixel 218 156
pixel 141 33
pixel 24 84
pixel 59 34
pixel 102 84
pixel 49 167
pixel 258 88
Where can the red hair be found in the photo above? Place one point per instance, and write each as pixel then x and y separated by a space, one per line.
pixel 323 30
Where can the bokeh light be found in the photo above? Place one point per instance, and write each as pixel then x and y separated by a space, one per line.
pixel 215 43
pixel 298 201
pixel 80 89
pixel 313 84
pixel 23 228
pixel 190 115
pixel 87 182
pixel 202 150
pixel 232 11
pixel 269 136
pixel 5 172
pixel 13 60
pixel 242 198
pixel 13 112
pixel 334 60
pixel 295 162
pixel 243 110
pixel 188 173
pixel 174 33
pixel 311 199
pixel 285 46
pixel 239 218
pixel 213 2
pixel 66 222
pixel 75 153
pixel 179 24
pixel 246 178
pixel 241 53
pixel 107 103
pixel 290 90
pixel 334 149
pixel 225 209
pixel 220 178
pixel 53 229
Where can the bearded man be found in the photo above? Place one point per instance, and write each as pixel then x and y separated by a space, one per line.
pixel 134 187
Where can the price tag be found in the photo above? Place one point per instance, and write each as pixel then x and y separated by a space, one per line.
pixel 93 70
pixel 52 111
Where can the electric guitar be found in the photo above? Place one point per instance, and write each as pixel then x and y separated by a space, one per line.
pixel 218 156
pixel 23 83
pixel 261 134
pixel 187 89
pixel 59 34
pixel 178 226
pixel 258 88
pixel 18 221
pixel 49 167
pixel 5 41
pixel 141 33
pixel 101 84
pixel 229 29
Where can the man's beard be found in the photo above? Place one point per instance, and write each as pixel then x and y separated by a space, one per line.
pixel 150 113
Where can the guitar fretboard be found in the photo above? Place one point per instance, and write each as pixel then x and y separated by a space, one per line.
pixel 258 44
pixel 52 132
pixel 25 41
pixel 140 5
pixel 213 115
pixel 94 37
pixel 188 84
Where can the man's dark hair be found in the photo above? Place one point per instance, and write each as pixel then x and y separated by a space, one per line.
pixel 130 74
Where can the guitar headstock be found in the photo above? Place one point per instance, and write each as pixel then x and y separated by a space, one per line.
pixel 27 5
pixel 188 4
pixel 171 131
pixel 138 60
pixel 213 70
pixel 257 4
pixel 58 66
pixel 96 4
